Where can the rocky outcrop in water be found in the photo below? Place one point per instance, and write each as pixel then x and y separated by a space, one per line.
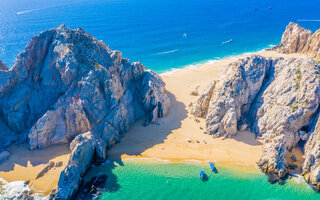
pixel 66 86
pixel 277 99
pixel 93 188
pixel 296 39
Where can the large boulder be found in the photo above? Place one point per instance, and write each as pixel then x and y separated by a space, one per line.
pixel 296 39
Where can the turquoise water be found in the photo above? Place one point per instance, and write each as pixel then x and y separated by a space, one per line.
pixel 163 34
pixel 152 180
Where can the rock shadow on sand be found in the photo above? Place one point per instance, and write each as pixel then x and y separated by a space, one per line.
pixel 137 140
pixel 21 155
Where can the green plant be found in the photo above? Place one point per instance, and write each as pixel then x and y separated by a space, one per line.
pixel 97 66
pixel 293 106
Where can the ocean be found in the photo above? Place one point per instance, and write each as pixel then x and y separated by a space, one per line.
pixel 167 35
pixel 162 34
pixel 156 180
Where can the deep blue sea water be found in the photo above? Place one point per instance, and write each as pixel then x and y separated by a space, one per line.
pixel 163 34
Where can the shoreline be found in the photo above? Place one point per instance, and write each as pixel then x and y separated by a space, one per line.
pixel 194 65
pixel 178 137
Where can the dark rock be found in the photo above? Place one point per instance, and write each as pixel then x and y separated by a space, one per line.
pixel 93 188
pixel 272 178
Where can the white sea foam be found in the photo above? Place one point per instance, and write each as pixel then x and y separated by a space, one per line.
pixel 212 61
pixel 147 159
pixel 193 161
pixel 298 178
pixel 11 190
pixel 166 52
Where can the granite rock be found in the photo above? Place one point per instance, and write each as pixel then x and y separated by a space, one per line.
pixel 277 99
pixel 296 39
pixel 69 87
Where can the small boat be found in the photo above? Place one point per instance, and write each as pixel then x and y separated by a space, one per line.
pixel 211 166
pixel 201 174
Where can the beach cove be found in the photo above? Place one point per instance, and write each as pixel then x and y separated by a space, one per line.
pixel 177 140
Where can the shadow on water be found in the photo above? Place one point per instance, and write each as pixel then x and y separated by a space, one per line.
pixel 205 178
pixel 142 138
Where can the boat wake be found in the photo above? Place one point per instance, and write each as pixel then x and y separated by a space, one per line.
pixel 28 11
pixel 166 52
pixel 37 9
pixel 226 42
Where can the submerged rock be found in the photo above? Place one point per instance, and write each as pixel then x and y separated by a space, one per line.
pixel 66 86
pixel 93 188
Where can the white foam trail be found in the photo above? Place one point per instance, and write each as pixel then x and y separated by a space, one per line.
pixel 166 52
pixel 28 11
pixel 308 20
pixel 37 9
pixel 226 42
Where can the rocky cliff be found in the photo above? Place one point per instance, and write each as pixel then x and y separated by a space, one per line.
pixel 296 39
pixel 277 99
pixel 66 86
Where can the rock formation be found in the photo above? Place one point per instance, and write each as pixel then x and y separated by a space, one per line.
pixel 311 165
pixel 224 102
pixel 66 86
pixel 277 99
pixel 296 39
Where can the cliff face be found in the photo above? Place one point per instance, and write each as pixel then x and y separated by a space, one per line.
pixel 296 39
pixel 66 84
pixel 277 99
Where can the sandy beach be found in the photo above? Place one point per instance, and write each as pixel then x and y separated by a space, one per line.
pixel 25 165
pixel 178 137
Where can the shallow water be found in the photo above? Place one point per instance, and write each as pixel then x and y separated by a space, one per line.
pixel 163 180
